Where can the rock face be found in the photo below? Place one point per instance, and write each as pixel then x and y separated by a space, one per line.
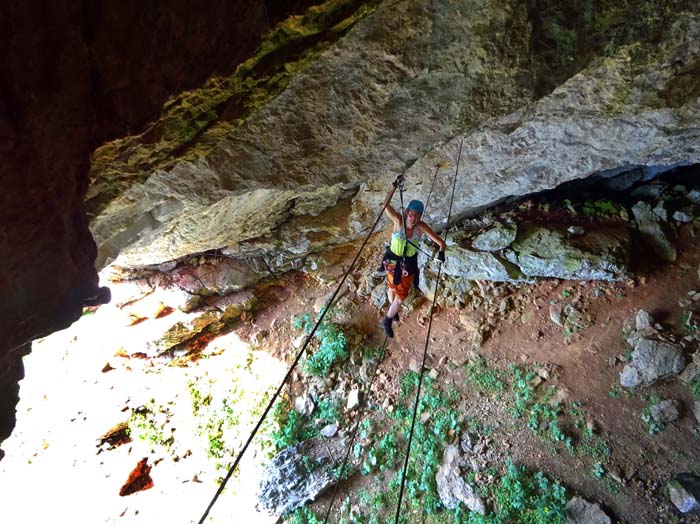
pixel 288 483
pixel 580 511
pixel 302 162
pixel 411 68
pixel 195 203
pixel 684 491
pixel 452 488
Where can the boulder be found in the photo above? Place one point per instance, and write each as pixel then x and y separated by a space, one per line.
pixel 684 492
pixel 298 474
pixel 664 412
pixel 475 265
pixel 496 237
pixel 652 360
pixel 580 511
pixel 548 251
pixel 452 487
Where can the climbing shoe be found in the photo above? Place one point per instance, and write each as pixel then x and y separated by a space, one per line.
pixel 386 325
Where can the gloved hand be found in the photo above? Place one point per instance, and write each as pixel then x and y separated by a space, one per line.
pixel 441 256
pixel 398 182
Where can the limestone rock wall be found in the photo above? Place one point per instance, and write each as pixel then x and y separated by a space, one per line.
pixel 396 95
pixel 406 76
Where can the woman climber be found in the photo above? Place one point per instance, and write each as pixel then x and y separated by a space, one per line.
pixel 400 259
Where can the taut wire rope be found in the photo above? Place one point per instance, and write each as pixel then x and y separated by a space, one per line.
pixel 232 469
pixel 425 350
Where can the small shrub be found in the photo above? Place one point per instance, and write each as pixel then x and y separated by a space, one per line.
pixel 333 346
pixel 302 515
pixel 695 387
pixel 291 426
pixel 521 497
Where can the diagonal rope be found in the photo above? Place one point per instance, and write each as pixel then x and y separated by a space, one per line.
pixel 289 372
pixel 425 351
pixel 352 438
pixel 432 185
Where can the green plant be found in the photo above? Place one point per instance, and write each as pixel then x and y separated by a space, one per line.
pixel 598 470
pixel 332 348
pixel 653 426
pixel 689 325
pixel 382 456
pixel 487 379
pixel 603 208
pixel 695 387
pixel 292 428
pixel 616 392
pixel 408 383
pixel 302 515
pixel 521 497
pixel 594 446
pixel 522 389
pixel 147 423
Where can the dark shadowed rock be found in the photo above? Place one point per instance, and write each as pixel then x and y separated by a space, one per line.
pixel 684 491
pixel 648 224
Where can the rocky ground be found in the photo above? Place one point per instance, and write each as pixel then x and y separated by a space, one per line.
pixel 549 374
pixel 582 364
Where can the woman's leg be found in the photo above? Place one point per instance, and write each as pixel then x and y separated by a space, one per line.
pixel 394 307
pixel 390 294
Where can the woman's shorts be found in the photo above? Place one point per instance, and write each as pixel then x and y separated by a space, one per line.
pixel 402 288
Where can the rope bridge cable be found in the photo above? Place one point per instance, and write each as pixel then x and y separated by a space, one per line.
pixel 352 439
pixel 289 372
pixel 432 185
pixel 425 352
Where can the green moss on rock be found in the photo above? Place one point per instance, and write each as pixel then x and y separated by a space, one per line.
pixel 193 122
pixel 567 34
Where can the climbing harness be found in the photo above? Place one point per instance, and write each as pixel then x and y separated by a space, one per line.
pixel 425 351
pixel 328 305
pixel 406 264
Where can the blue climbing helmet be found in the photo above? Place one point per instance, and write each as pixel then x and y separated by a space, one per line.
pixel 415 205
